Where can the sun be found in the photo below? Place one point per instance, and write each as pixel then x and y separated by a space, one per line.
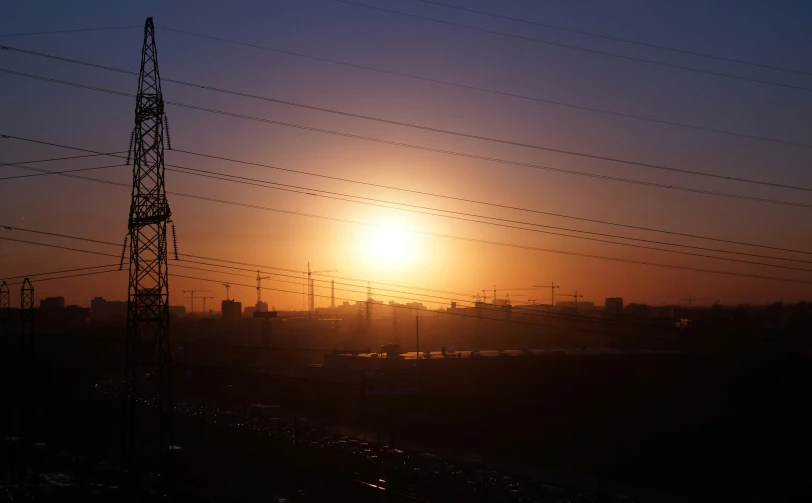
pixel 389 245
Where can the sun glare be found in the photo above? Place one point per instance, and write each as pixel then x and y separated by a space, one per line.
pixel 389 245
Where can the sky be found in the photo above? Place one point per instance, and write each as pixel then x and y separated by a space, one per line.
pixel 408 248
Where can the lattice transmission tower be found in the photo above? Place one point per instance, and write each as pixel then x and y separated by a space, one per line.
pixel 5 308
pixel 148 357
pixel 26 320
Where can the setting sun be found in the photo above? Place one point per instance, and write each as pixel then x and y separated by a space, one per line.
pixel 389 245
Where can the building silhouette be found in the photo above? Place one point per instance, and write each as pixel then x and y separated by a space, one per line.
pixel 52 303
pixel 231 310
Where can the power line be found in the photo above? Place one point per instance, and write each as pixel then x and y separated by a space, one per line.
pixel 460 134
pixel 54 159
pixel 502 141
pixel 68 31
pixel 95 168
pixel 313 192
pixel 456 215
pixel 214 265
pixel 434 298
pixel 492 308
pixel 59 272
pixel 262 266
pixel 578 48
pixel 431 149
pixel 473 88
pixel 295 271
pixel 460 238
pixel 619 39
pixel 69 276
pixel 423 296
pixel 438 195
pixel 444 196
pixel 417 309
pixel 586 330
pixel 502 161
pixel 264 269
pixel 66 236
pixel 59 247
pixel 498 243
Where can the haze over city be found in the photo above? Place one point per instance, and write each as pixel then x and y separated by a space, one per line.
pixel 405 250
pixel 347 33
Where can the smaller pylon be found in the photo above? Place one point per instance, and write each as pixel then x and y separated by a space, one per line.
pixel 5 298
pixel 27 317
pixel 5 307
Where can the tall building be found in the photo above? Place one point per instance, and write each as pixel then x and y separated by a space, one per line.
pixel 261 307
pixel 232 310
pixel 52 303
pixel 101 309
pixel 614 305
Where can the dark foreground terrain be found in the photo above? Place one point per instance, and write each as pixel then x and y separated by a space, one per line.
pixel 712 426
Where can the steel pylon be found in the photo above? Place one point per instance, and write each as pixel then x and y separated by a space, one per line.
pixel 5 307
pixel 148 357
pixel 27 318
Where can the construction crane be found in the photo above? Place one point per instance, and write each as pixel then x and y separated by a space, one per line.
pixel 493 299
pixel 552 287
pixel 227 285
pixel 310 288
pixel 691 300
pixel 204 303
pixel 192 293
pixel 575 296
pixel 259 286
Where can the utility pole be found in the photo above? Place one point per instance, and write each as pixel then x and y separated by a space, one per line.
pixel 369 305
pixel 148 346
pixel 332 293
pixel 193 297
pixel 228 286
pixel 312 297
pixel 204 303
pixel 311 288
pixel 553 286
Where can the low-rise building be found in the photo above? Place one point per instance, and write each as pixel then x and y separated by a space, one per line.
pixel 52 303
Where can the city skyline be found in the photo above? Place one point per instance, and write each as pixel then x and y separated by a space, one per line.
pixel 250 235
